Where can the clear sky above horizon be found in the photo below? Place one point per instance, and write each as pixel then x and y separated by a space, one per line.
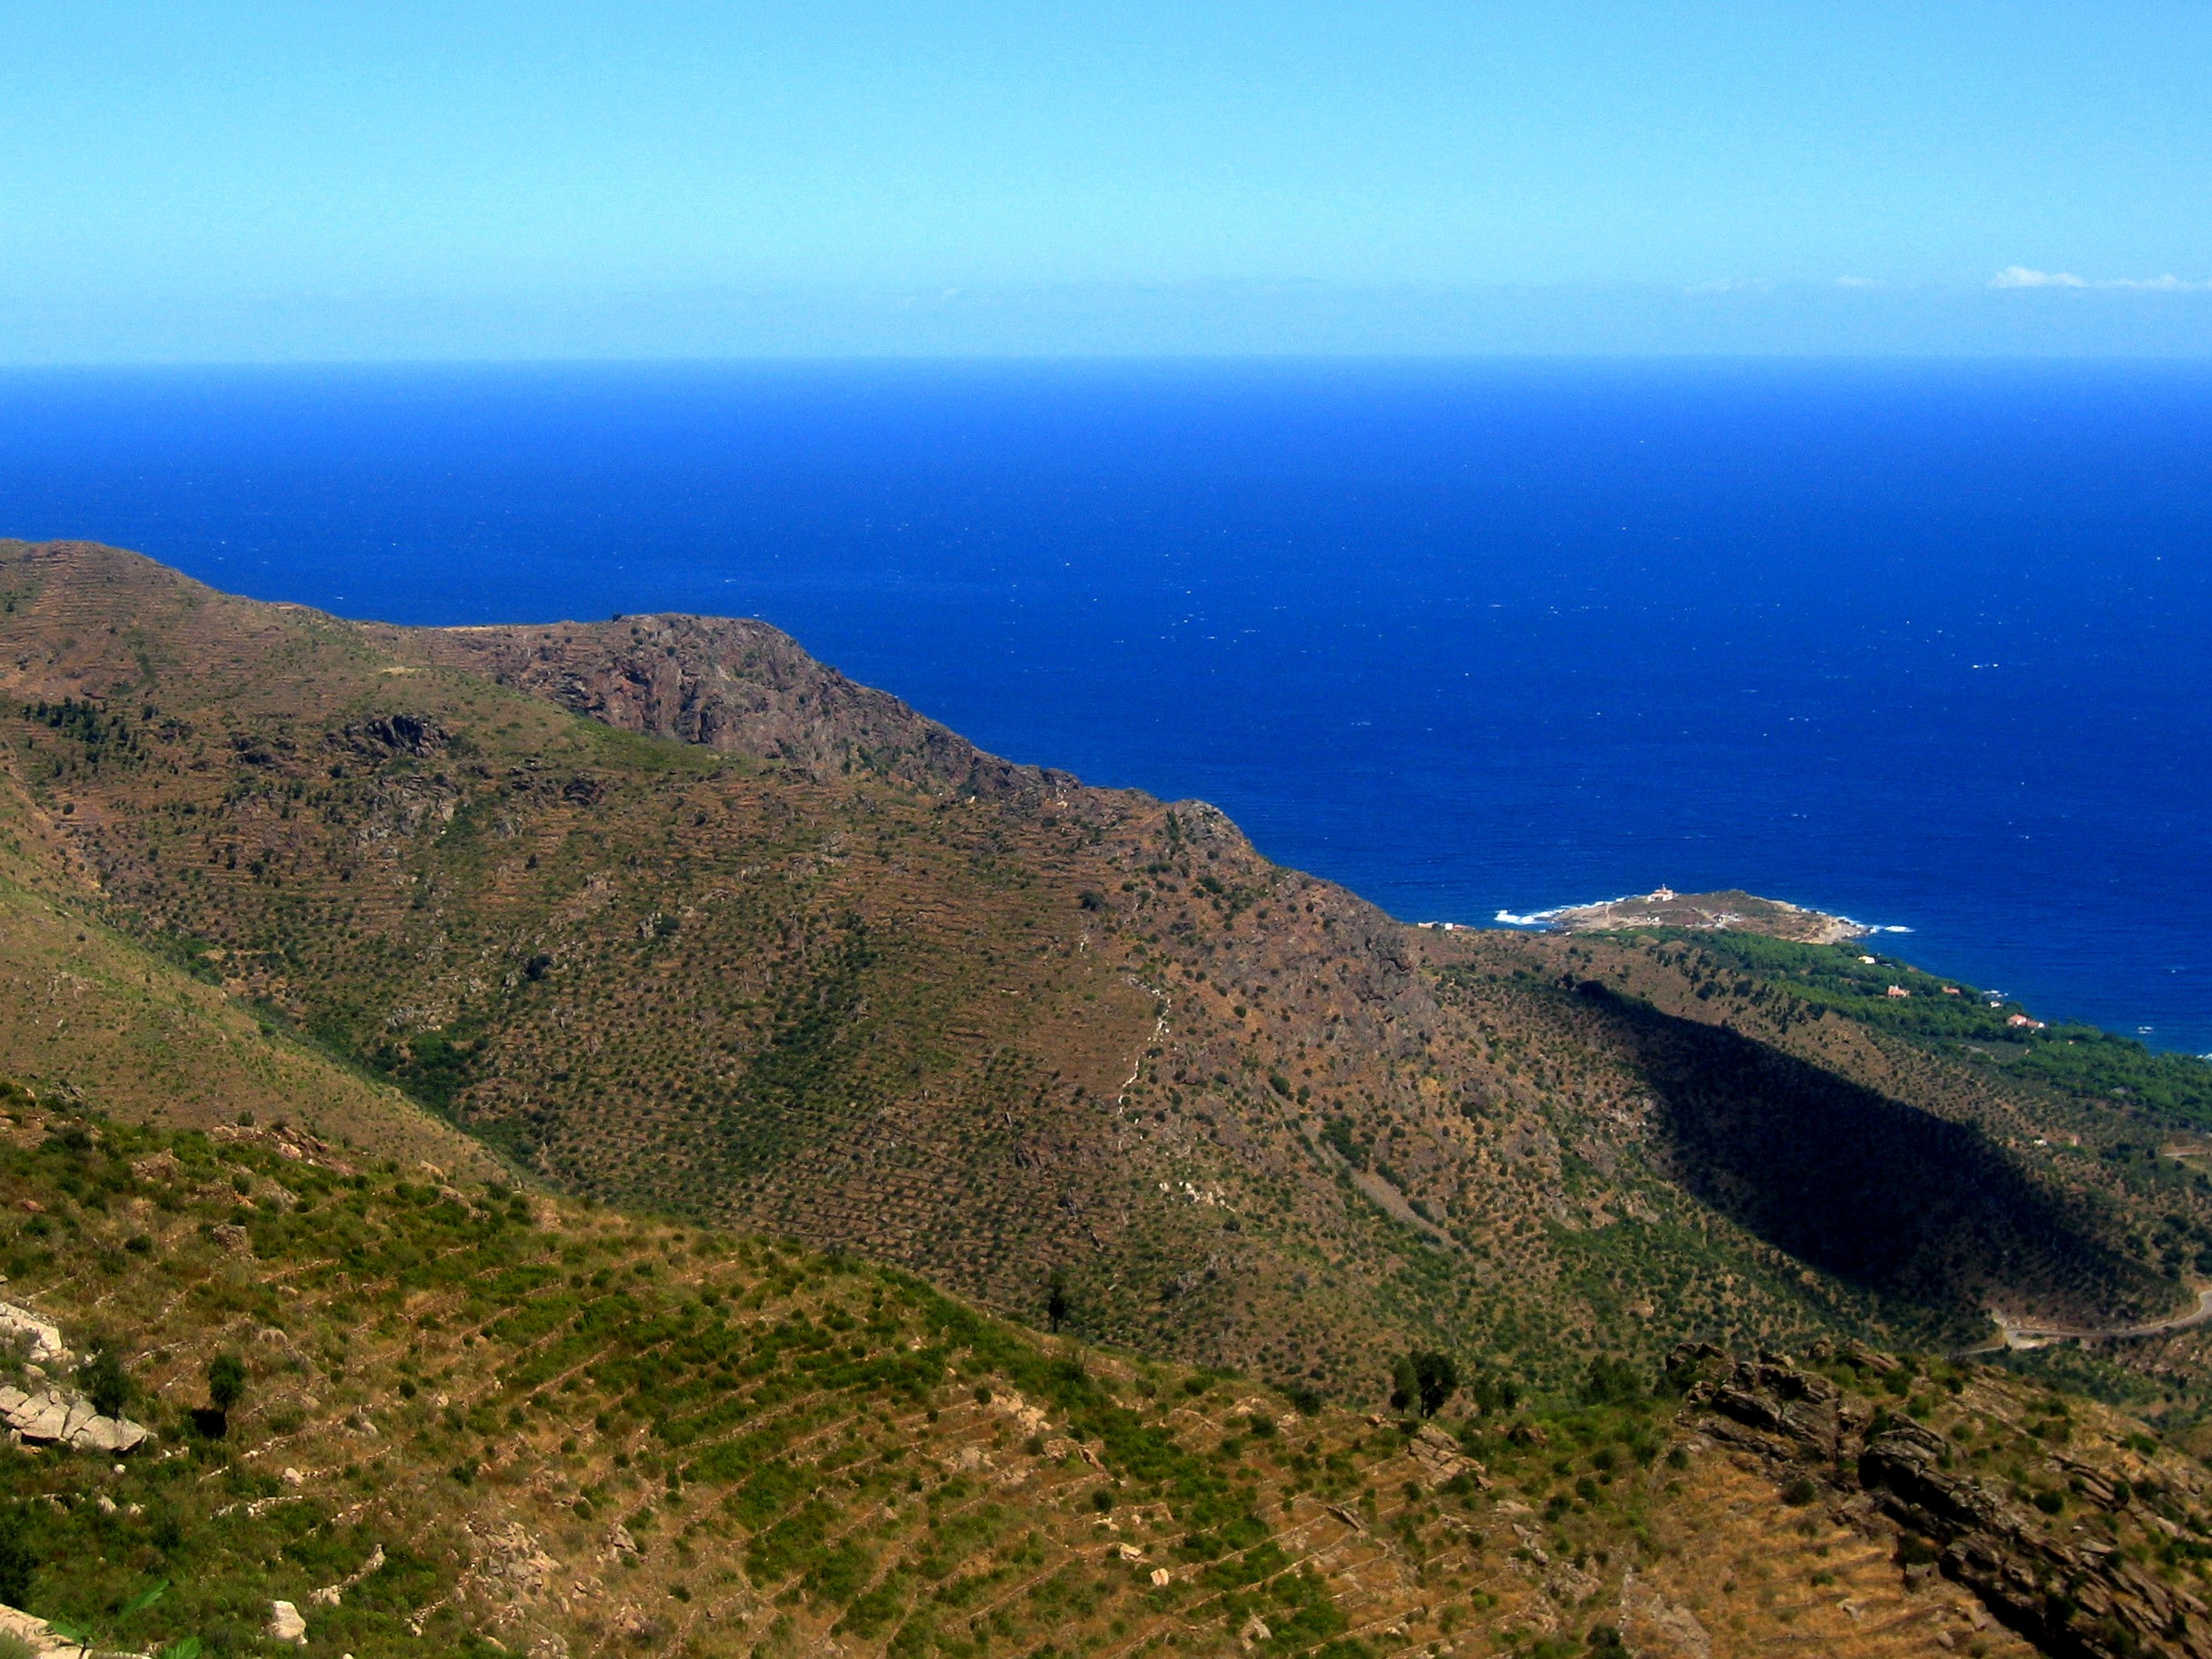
pixel 271 181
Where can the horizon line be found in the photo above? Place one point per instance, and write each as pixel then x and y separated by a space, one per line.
pixel 1074 356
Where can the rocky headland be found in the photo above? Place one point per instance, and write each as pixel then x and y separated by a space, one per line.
pixel 1730 910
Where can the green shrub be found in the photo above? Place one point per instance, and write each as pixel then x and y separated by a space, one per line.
pixel 106 1383
pixel 18 1558
pixel 1423 1380
pixel 226 1382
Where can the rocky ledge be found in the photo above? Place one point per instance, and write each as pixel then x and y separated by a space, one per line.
pixel 51 1417
pixel 2069 1591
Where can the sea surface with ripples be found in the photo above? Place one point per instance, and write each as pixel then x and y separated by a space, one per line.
pixel 1926 644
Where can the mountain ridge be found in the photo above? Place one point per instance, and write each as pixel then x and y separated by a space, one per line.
pixel 736 686
pixel 736 938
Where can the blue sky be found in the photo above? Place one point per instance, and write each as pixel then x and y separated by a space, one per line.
pixel 339 181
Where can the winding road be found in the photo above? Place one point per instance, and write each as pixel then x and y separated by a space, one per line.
pixel 2028 1334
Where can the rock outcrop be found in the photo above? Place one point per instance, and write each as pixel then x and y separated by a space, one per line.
pixel 42 1340
pixel 40 1639
pixel 1440 1460
pixel 2066 1594
pixel 52 1418
pixel 286 1625
pixel 737 686
pixel 2067 1590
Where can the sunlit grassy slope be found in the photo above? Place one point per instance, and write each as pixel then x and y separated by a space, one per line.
pixel 478 1415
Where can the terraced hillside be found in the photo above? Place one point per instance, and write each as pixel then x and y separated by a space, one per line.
pixel 81 1002
pixel 467 1415
pixel 669 915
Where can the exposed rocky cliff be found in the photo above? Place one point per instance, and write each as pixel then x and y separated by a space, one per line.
pixel 2064 1547
pixel 729 684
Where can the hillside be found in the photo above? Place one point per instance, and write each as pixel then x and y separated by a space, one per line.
pixel 470 1420
pixel 148 1038
pixel 669 915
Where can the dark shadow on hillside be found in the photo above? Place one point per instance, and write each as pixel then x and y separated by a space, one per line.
pixel 1878 1192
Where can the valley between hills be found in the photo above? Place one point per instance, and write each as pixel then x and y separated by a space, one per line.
pixel 695 1156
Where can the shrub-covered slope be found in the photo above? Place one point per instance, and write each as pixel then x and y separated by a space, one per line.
pixel 468 1415
pixel 783 955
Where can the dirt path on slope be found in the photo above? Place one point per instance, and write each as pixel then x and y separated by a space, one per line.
pixel 2032 1334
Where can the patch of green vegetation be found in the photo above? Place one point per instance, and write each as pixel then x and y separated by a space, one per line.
pixel 732 1395
pixel 1954 1017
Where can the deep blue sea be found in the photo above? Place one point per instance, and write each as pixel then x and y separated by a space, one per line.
pixel 1930 645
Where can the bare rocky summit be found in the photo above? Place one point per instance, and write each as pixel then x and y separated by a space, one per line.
pixel 732 685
